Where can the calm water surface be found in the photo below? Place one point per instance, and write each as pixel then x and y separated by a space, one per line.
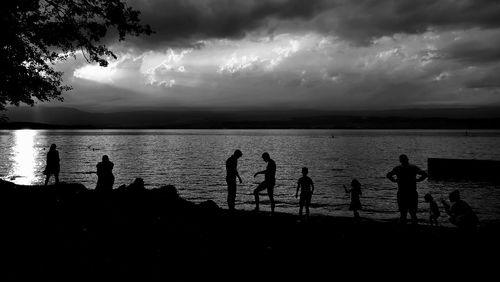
pixel 194 161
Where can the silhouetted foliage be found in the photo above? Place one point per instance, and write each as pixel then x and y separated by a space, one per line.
pixel 38 33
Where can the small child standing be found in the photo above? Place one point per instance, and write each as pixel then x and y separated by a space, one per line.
pixel 433 209
pixel 355 194
pixel 306 187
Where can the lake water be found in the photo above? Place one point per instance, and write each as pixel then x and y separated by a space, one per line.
pixel 194 161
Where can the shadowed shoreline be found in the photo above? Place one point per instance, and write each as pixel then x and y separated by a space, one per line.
pixel 66 230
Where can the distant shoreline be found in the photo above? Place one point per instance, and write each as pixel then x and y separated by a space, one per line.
pixel 424 124
pixel 185 118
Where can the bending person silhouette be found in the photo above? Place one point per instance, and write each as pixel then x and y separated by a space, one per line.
pixel 461 214
pixel 105 177
pixel 231 175
pixel 406 177
pixel 268 183
pixel 52 166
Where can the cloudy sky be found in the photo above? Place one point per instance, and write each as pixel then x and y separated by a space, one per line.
pixel 298 54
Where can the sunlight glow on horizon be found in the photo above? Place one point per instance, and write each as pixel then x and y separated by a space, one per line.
pixel 323 71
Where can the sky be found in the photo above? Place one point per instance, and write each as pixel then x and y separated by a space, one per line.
pixel 295 54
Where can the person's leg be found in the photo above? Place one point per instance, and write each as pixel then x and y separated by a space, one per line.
pixel 403 209
pixel 231 194
pixel 259 188
pixel 413 206
pixel 56 175
pixel 47 179
pixel 301 204
pixel 308 202
pixel 356 214
pixel 230 200
pixel 270 192
pixel 403 215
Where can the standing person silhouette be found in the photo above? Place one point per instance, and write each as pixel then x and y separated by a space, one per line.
pixel 355 192
pixel 105 177
pixel 268 183
pixel 406 177
pixel 306 187
pixel 231 175
pixel 434 212
pixel 52 166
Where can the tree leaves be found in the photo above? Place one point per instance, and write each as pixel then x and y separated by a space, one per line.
pixel 38 33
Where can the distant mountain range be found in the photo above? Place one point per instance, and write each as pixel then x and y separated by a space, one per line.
pixel 59 117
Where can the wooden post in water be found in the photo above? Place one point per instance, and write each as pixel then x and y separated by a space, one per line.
pixel 463 169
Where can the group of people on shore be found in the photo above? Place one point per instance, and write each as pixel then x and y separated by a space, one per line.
pixel 105 177
pixel 406 176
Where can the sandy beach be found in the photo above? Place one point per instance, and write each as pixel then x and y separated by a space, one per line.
pixel 69 232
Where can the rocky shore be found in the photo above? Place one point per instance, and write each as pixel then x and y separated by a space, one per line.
pixel 68 232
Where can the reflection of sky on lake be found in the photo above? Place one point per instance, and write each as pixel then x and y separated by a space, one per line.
pixel 23 157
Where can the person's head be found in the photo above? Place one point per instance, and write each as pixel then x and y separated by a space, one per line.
pixel 266 157
pixel 355 183
pixel 428 198
pixel 403 159
pixel 105 158
pixel 52 147
pixel 305 171
pixel 238 154
pixel 454 196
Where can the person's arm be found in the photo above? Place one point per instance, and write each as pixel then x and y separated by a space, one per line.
pixel 423 175
pixel 346 190
pixel 260 172
pixel 391 175
pixel 446 206
pixel 312 187
pixel 298 188
pixel 238 175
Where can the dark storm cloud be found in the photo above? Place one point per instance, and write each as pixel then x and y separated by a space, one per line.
pixel 489 79
pixel 361 21
pixel 299 53
pixel 488 82
pixel 474 52
pixel 181 23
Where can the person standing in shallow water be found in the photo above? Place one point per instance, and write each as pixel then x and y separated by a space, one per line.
pixel 52 166
pixel 231 175
pixel 105 177
pixel 406 177
pixel 306 187
pixel 433 209
pixel 355 192
pixel 268 183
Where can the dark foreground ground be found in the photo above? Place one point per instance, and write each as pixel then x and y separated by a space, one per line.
pixel 69 233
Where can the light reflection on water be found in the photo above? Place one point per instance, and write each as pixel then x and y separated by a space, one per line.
pixel 193 160
pixel 23 157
